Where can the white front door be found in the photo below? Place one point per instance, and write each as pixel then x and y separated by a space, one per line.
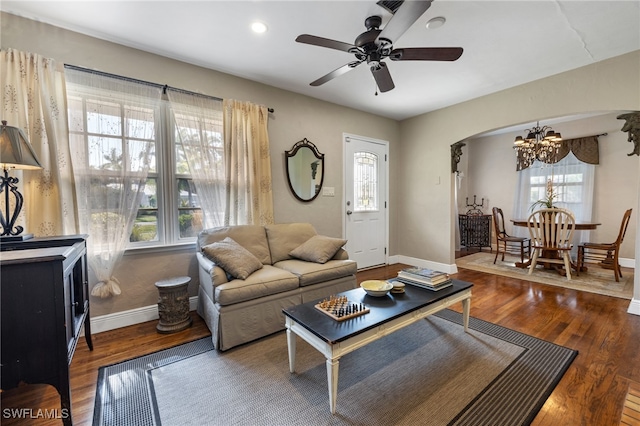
pixel 365 208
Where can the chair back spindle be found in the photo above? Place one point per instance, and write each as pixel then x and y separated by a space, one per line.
pixel 551 231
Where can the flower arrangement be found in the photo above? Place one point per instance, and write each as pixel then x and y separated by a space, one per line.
pixel 551 196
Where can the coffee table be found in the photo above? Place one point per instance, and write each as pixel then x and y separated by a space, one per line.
pixel 387 314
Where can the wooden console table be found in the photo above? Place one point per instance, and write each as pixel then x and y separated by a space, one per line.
pixel 45 302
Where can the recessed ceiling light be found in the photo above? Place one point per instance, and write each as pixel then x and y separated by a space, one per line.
pixel 436 22
pixel 259 27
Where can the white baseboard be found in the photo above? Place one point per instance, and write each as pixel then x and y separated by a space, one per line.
pixel 627 263
pixel 414 261
pixel 634 307
pixel 393 259
pixel 130 317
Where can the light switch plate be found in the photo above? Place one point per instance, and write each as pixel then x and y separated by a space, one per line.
pixel 328 191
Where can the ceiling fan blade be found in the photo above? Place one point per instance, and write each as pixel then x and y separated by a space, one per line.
pixel 426 54
pixel 324 42
pixel 404 17
pixel 383 77
pixel 335 73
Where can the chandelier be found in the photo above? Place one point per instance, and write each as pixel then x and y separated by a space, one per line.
pixel 541 143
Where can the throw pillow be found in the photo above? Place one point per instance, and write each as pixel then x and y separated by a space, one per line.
pixel 233 258
pixel 318 249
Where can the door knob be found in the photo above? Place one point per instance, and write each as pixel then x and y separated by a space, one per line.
pixel 349 212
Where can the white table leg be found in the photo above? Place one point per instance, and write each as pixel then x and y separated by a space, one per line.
pixel 466 305
pixel 332 381
pixel 291 345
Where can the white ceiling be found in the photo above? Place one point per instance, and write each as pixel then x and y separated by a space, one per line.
pixel 506 43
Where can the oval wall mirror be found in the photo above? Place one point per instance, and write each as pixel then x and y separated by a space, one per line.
pixel 305 170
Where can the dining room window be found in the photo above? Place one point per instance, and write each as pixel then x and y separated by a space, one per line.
pixel 572 181
pixel 567 188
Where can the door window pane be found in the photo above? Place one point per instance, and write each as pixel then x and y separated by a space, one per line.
pixel 365 181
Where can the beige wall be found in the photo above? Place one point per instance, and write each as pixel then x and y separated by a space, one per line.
pixel 428 230
pixel 295 118
pixel 490 173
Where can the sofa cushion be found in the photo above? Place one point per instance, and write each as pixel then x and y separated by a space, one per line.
pixel 251 237
pixel 311 273
pixel 264 282
pixel 232 257
pixel 285 237
pixel 318 249
pixel 341 254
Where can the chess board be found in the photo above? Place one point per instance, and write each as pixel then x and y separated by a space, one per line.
pixel 340 308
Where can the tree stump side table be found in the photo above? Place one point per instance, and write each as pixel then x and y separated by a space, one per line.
pixel 173 305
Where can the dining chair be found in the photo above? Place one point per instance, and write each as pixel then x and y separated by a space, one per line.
pixel 551 231
pixel 507 244
pixel 605 253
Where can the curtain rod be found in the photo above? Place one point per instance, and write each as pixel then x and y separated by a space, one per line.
pixel 589 136
pixel 164 87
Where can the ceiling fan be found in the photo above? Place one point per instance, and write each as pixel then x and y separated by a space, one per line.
pixel 375 44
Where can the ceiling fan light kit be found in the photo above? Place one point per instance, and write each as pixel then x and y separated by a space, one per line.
pixel 375 44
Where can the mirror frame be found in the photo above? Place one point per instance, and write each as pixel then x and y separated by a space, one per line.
pixel 304 143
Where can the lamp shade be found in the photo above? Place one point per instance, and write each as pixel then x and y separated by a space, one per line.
pixel 15 149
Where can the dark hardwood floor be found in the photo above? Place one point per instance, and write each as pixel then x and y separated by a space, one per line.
pixel 592 392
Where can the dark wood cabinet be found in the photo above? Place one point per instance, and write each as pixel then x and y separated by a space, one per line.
pixel 45 302
pixel 475 230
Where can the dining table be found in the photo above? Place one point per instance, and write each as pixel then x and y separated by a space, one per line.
pixel 579 226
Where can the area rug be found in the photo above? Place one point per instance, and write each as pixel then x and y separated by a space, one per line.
pixel 595 280
pixel 429 373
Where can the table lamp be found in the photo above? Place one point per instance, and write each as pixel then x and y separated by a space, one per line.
pixel 15 153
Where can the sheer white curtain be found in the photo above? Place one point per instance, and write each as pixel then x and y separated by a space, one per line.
pixel 33 99
pixel 248 164
pixel 199 138
pixel 572 179
pixel 110 123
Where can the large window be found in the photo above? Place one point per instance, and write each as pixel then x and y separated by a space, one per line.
pixel 572 181
pixel 134 136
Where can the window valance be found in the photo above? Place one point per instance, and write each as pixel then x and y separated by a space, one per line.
pixel 585 149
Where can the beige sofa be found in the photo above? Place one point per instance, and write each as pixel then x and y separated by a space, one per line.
pixel 241 310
